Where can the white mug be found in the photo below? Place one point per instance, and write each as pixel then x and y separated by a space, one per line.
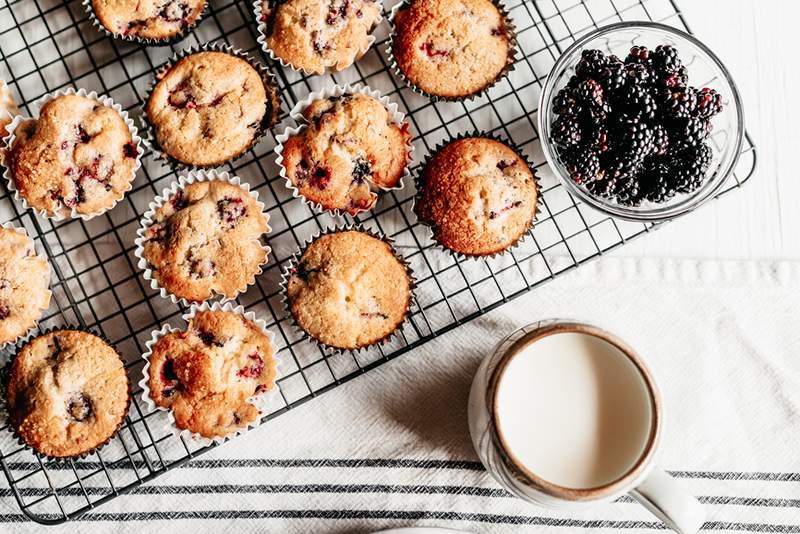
pixel 649 485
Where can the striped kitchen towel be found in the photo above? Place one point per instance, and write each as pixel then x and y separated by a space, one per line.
pixel 392 449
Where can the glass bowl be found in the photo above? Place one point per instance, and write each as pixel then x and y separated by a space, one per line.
pixel 705 70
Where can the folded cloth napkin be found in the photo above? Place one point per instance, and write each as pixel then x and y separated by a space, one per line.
pixel 392 448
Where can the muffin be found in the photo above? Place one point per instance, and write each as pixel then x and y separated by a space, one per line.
pixel 348 290
pixel 206 240
pixel 478 195
pixel 206 374
pixel 350 147
pixel 451 48
pixel 24 285
pixel 160 20
pixel 67 393
pixel 313 35
pixel 8 109
pixel 78 155
pixel 209 108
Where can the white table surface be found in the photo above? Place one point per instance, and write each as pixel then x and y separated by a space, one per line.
pixel 757 41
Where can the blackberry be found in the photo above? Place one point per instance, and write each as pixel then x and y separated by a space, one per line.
pixel 709 103
pixel 688 132
pixel 637 74
pixel 612 77
pixel 666 62
pixel 660 141
pixel 638 55
pixel 689 167
pixel 655 181
pixel 584 165
pixel 602 188
pixel 618 165
pixel 590 64
pixel 565 103
pixel 636 102
pixel 628 192
pixel 677 78
pixel 566 131
pixel 591 92
pixel 676 102
pixel 596 136
pixel 634 140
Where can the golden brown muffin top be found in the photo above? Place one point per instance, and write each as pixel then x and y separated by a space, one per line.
pixel 147 19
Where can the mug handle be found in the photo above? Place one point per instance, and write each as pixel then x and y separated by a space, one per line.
pixel 668 500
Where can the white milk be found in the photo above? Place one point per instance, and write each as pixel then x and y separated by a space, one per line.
pixel 574 410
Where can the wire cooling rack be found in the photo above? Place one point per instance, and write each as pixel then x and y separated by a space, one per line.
pixel 46 45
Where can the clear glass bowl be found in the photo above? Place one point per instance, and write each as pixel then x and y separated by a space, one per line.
pixel 705 70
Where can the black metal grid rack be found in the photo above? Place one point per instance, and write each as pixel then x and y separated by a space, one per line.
pixel 46 45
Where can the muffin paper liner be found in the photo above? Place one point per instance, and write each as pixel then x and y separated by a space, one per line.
pixel 147 220
pixel 72 213
pixel 8 108
pixel 295 259
pixel 185 30
pixel 511 30
pixel 296 114
pixel 267 122
pixel 261 401
pixel 261 21
pixel 5 417
pixel 418 178
pixel 24 338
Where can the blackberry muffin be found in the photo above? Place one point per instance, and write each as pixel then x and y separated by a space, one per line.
pixel 67 393
pixel 206 374
pixel 159 20
pixel 209 108
pixel 451 48
pixel 24 285
pixel 478 195
pixel 206 240
pixel 314 35
pixel 78 155
pixel 349 148
pixel 348 290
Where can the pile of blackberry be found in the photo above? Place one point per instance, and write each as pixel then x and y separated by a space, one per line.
pixel 633 130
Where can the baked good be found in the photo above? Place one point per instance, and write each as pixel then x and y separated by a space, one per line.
pixel 67 393
pixel 208 108
pixel 78 155
pixel 478 195
pixel 451 48
pixel 8 109
pixel 206 240
pixel 206 374
pixel 314 35
pixel 350 147
pixel 24 285
pixel 148 19
pixel 348 290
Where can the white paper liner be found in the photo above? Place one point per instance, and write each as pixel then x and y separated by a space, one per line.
pixel 24 338
pixel 262 40
pixel 295 259
pixel 147 221
pixel 261 401
pixel 512 54
pixel 460 256
pixel 296 113
pixel 72 213
pixel 147 41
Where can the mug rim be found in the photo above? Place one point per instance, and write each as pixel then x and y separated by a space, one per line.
pixel 643 462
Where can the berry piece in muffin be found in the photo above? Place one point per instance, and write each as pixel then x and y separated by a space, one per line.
pixel 24 283
pixel 209 108
pixel 78 155
pixel 451 48
pixel 159 20
pixel 349 148
pixel 348 290
pixel 67 393
pixel 206 374
pixel 478 195
pixel 205 240
pixel 313 35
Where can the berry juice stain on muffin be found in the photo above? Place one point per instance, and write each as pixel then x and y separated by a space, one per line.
pixel 79 154
pixel 67 393
pixel 348 290
pixel 148 19
pixel 350 147
pixel 478 195
pixel 208 108
pixel 314 35
pixel 451 48
pixel 24 283
pixel 205 240
pixel 206 374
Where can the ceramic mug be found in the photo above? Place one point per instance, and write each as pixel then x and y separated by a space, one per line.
pixel 649 485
